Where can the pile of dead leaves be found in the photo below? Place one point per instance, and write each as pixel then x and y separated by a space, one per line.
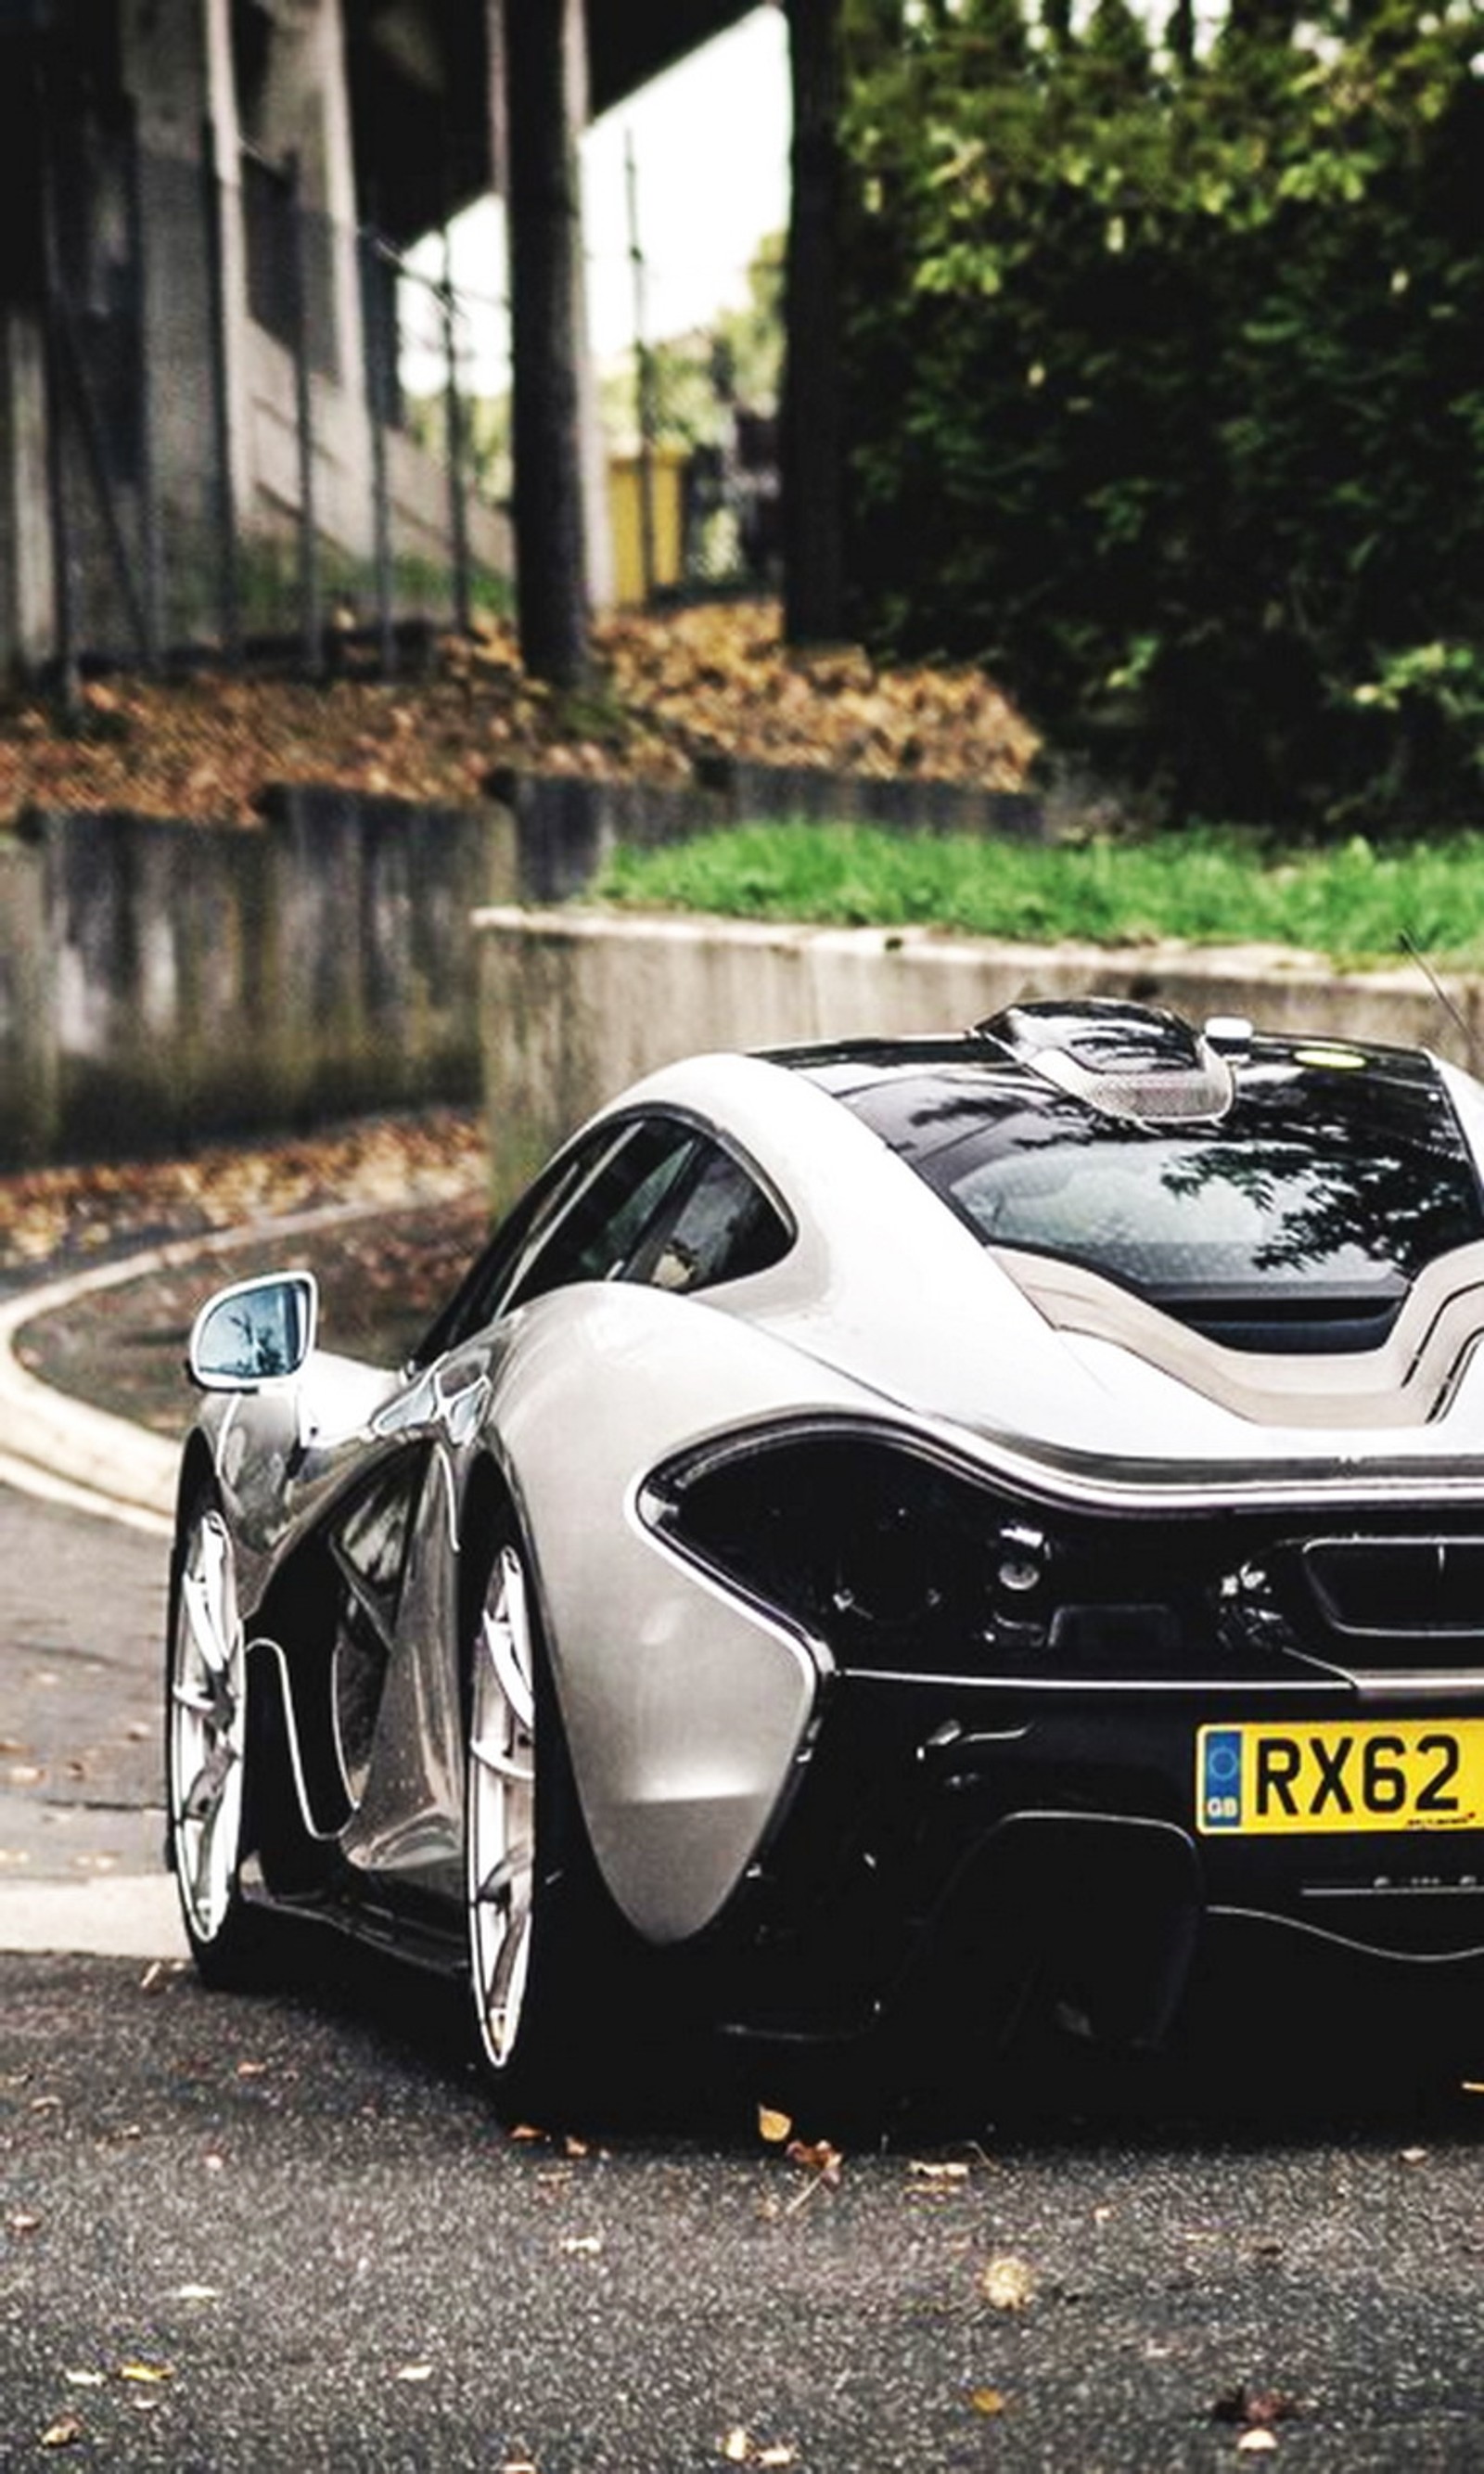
pixel 62 1217
pixel 667 689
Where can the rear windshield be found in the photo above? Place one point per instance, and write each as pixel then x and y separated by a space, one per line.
pixel 1299 1221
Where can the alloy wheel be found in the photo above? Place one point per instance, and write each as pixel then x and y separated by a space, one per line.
pixel 207 1728
pixel 500 1821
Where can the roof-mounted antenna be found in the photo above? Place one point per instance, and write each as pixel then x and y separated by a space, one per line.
pixel 1414 954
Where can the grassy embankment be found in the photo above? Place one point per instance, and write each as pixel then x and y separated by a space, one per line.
pixel 1355 903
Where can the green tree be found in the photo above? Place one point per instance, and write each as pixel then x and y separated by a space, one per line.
pixel 1167 390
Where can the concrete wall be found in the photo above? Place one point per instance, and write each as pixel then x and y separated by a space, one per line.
pixel 575 1004
pixel 160 981
pixel 569 825
pixel 28 1058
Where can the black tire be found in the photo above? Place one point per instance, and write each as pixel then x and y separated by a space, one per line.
pixel 549 1953
pixel 206 1786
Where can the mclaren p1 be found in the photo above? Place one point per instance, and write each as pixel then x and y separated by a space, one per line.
pixel 889 1538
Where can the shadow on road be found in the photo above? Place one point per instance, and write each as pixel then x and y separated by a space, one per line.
pixel 1295 2049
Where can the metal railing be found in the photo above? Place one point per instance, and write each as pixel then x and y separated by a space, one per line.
pixel 236 463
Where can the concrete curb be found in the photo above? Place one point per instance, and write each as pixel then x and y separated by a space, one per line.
pixel 56 1445
pixel 126 1915
pixel 50 1440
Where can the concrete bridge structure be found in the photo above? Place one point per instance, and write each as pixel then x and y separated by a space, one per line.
pixel 146 149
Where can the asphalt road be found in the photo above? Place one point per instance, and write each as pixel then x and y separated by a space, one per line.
pixel 287 2233
pixel 82 1631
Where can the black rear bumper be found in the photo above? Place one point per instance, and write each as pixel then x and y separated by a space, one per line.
pixel 953 1854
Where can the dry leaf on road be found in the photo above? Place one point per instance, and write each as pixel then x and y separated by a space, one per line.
pixel 1008 2284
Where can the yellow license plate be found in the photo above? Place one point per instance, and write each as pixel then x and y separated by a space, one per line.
pixel 1378 1773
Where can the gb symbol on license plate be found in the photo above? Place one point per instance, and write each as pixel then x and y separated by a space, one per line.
pixel 1221 1778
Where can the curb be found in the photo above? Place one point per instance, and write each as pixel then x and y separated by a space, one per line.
pixel 61 1447
pixel 54 1444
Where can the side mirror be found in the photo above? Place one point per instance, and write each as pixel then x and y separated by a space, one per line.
pixel 254 1332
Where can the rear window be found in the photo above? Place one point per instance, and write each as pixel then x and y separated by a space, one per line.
pixel 1299 1221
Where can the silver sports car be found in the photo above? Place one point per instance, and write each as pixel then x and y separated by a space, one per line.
pixel 888 1537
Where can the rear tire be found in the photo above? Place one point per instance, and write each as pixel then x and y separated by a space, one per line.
pixel 547 1949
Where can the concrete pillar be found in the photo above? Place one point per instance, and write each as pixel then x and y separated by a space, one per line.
pixel 27 606
pixel 176 66
pixel 303 110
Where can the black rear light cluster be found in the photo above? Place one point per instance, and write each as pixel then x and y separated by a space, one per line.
pixel 903 1562
pixel 892 1558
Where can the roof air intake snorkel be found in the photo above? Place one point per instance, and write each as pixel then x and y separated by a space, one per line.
pixel 1132 1061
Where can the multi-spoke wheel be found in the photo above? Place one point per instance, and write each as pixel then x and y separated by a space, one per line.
pixel 206 1746
pixel 502 1808
pixel 544 1940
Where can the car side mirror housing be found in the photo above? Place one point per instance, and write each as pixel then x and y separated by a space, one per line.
pixel 254 1332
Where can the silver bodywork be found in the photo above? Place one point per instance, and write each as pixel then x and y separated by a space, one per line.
pixel 690 1710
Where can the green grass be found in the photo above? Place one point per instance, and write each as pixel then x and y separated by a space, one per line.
pixel 1355 903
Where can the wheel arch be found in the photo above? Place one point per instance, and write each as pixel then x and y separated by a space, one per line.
pixel 488 1497
pixel 198 1469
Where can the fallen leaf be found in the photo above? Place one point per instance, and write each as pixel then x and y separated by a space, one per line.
pixel 253 2069
pixel 1257 2442
pixel 1257 2409
pixel 772 2127
pixel 589 2244
pixel 414 2373
pixel 65 2432
pixel 86 2379
pixel 988 2401
pixel 1008 2284
pixel 145 2375
pixel 197 2294
pixel 816 2156
pixel 22 2221
pixel 573 2145
pixel 740 2448
pixel 1413 2155
pixel 921 2173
